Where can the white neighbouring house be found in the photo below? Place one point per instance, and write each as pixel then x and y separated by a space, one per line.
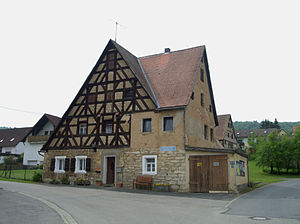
pixel 11 142
pixel 37 137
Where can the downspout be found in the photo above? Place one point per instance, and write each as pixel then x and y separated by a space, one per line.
pixel 184 127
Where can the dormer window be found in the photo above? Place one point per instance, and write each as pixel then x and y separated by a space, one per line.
pixel 12 139
pixel 1 140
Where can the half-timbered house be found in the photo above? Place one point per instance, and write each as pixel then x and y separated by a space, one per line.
pixel 152 115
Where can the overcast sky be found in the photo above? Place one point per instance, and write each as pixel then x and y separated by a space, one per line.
pixel 48 48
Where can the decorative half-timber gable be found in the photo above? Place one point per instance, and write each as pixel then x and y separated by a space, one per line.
pixel 100 114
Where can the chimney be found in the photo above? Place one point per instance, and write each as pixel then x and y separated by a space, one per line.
pixel 167 50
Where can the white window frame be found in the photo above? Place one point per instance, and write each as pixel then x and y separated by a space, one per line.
pixel 77 161
pixel 142 125
pixel 163 122
pixel 144 165
pixel 56 168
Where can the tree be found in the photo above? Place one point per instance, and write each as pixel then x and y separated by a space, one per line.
pixel 288 151
pixel 269 124
pixel 297 148
pixel 9 160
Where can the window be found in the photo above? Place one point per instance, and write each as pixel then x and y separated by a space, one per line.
pixel 59 164
pixel 205 132
pixel 91 98
pixel 149 165
pixel 202 74
pixel 202 99
pixel 1 140
pixel 168 124
pixel 12 139
pixel 46 132
pixel 210 108
pixel 111 65
pixel 80 164
pixel 109 95
pixel 192 95
pixel 128 94
pixel 82 128
pixel 147 125
pixel 211 134
pixel 107 127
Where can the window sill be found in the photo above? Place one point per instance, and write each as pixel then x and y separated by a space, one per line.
pixel 149 173
pixel 80 171
pixel 59 171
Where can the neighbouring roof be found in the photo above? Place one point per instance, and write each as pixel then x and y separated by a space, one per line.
pixel 223 125
pixel 11 137
pixel 42 121
pixel 258 132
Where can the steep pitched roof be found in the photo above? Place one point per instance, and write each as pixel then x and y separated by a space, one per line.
pixel 258 132
pixel 172 75
pixel 42 121
pixel 11 137
pixel 134 63
pixel 223 124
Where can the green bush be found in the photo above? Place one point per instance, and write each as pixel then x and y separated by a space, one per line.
pixel 37 177
pixel 65 180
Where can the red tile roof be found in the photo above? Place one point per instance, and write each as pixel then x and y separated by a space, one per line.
pixel 172 75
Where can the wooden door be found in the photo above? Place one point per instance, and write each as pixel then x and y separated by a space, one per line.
pixel 199 174
pixel 110 170
pixel 208 173
pixel 218 173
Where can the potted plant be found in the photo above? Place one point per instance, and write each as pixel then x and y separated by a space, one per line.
pixel 98 182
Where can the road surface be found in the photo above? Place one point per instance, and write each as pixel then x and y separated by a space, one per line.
pixel 79 205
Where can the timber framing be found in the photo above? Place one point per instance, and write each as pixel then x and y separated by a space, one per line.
pixel 103 106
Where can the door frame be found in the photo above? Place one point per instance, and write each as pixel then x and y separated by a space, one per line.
pixel 105 168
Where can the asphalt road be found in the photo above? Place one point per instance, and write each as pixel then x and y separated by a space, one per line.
pixel 86 205
pixel 16 208
pixel 279 200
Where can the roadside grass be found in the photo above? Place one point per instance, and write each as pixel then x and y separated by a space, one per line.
pixel 19 181
pixel 259 178
pixel 19 175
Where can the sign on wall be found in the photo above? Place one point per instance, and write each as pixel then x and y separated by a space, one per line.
pixel 168 148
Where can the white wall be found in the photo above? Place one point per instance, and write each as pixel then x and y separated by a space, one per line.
pixel 31 155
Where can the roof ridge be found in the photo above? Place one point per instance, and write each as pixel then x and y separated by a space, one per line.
pixel 176 51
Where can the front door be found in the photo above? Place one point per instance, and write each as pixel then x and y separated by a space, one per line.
pixel 110 174
pixel 199 174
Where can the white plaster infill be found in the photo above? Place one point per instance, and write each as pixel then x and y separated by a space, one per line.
pixel 65 216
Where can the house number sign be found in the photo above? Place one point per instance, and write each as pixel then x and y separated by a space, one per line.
pixel 199 164
pixel 216 164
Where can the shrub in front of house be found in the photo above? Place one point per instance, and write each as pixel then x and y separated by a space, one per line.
pixel 37 177
pixel 65 180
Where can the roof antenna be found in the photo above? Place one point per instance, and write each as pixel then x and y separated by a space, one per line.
pixel 116 31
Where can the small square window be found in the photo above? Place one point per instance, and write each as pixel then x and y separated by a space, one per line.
pixel 149 165
pixel 128 94
pixel 202 74
pixel 111 65
pixel 147 125
pixel 46 132
pixel 168 124
pixel 82 129
pixel 107 127
pixel 91 98
pixel 109 95
pixel 205 132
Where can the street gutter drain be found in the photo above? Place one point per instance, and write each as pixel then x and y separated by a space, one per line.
pixel 257 218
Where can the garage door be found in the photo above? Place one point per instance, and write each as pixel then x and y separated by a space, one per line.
pixel 208 173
